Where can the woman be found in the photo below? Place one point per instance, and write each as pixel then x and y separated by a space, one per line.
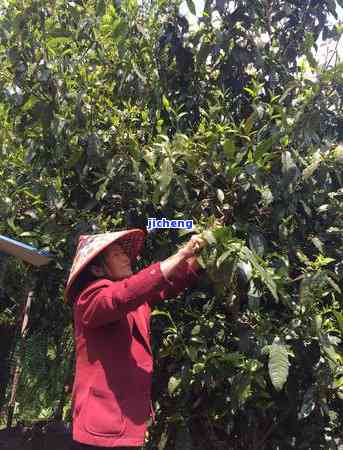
pixel 112 386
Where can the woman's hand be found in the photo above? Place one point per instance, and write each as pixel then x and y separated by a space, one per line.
pixel 195 243
pixel 187 252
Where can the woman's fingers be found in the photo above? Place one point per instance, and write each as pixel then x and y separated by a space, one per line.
pixel 199 240
pixel 195 243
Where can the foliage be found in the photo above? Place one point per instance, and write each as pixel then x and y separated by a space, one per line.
pixel 113 112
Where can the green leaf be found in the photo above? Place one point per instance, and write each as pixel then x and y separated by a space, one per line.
pixel 139 73
pixel 309 170
pixel 119 29
pixel 264 147
pixel 198 367
pixel 11 224
pixel 245 269
pixel 266 350
pixel 191 7
pixel 163 440
pixel 254 297
pixel 196 330
pixel 318 244
pixel 209 237
pixel 74 158
pixel 229 148
pixel 192 353
pixel 249 122
pixel 325 260
pixel 100 8
pixel 150 158
pixel 222 258
pixel 166 175
pixel 305 293
pixel 28 234
pixel 201 261
pixel 318 322
pixel 60 32
pixel 278 364
pixel 250 91
pixel 289 168
pixel 330 350
pixel 339 317
pixel 292 85
pixel 308 404
pixel 334 285
pixel 265 276
pixel 338 383
pixel 220 195
pixel 331 6
pixel 165 102
pixel 173 384
pixel 203 53
pixel 30 103
pixel 57 41
pixel 157 312
pixel 312 287
pixel 240 390
pixel 257 242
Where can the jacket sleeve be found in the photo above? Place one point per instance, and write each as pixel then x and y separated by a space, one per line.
pixel 107 301
pixel 183 276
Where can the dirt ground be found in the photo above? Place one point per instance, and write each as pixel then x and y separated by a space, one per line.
pixel 42 435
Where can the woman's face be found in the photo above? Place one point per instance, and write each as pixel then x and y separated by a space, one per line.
pixel 117 263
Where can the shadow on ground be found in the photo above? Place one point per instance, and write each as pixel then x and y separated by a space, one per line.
pixel 42 435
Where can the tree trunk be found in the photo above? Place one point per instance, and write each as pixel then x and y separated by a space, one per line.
pixel 7 336
pixel 17 370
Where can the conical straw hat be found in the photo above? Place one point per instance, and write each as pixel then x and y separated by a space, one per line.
pixel 90 246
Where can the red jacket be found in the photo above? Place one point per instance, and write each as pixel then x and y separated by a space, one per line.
pixel 112 386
